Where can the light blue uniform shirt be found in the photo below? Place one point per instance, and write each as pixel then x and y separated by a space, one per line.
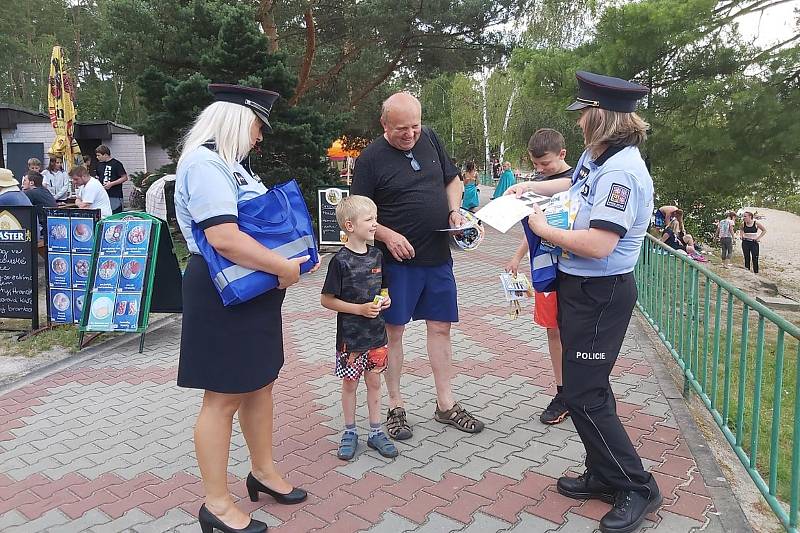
pixel 614 195
pixel 208 191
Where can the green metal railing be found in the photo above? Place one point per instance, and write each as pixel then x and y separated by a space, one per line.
pixel 747 383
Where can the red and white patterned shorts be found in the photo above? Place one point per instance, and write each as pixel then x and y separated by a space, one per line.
pixel 351 365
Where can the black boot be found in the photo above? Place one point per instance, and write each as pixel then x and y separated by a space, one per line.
pixel 209 522
pixel 585 487
pixel 629 510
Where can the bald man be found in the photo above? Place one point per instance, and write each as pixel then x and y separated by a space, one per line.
pixel 412 180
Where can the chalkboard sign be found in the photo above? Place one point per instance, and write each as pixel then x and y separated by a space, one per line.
pixel 69 238
pixel 328 229
pixel 19 264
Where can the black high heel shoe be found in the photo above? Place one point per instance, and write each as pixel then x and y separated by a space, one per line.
pixel 254 486
pixel 209 522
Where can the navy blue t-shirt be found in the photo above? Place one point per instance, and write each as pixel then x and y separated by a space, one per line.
pixel 411 202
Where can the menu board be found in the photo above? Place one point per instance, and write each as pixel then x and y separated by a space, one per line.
pixel 18 264
pixel 328 229
pixel 70 240
pixel 117 286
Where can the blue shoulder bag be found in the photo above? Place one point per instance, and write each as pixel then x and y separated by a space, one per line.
pixel 279 220
pixel 544 265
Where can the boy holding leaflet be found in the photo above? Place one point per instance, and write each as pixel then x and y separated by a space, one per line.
pixel 355 288
pixel 547 150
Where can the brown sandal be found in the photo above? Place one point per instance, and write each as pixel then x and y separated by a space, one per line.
pixel 397 425
pixel 459 417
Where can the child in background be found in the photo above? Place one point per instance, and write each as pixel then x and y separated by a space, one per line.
pixel 547 150
pixel 34 165
pixel 354 288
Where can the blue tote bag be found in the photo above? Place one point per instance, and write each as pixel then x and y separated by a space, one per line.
pixel 544 265
pixel 279 220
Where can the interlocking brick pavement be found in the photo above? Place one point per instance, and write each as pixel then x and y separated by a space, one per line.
pixel 106 445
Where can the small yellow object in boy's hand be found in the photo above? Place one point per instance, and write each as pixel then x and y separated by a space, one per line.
pixel 380 298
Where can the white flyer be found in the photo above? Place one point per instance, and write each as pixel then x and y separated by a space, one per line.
pixel 504 212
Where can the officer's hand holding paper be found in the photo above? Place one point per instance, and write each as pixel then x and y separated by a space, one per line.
pixel 506 211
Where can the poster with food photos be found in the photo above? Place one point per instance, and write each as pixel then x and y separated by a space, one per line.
pixel 137 237
pixel 60 266
pixel 78 297
pixel 101 311
pixel 82 235
pixel 132 274
pixel 58 230
pixel 107 273
pixel 61 305
pixel 80 270
pixel 70 241
pixel 126 312
pixel 121 274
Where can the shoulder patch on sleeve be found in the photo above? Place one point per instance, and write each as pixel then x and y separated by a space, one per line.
pixel 618 197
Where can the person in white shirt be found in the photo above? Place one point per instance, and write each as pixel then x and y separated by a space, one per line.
pixel 89 191
pixel 55 179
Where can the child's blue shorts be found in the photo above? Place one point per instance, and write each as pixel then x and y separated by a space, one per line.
pixel 421 293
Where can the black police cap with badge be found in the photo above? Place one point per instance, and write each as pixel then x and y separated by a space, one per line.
pixel 606 92
pixel 259 100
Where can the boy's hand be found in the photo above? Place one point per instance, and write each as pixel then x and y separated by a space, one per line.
pixel 517 189
pixel 386 303
pixel 512 266
pixel 370 309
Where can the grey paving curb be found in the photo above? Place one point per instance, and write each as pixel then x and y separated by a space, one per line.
pixel 731 515
pixel 86 354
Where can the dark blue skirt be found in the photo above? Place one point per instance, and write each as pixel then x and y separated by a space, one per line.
pixel 233 349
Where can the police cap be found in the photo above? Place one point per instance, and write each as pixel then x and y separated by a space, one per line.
pixel 606 92
pixel 259 100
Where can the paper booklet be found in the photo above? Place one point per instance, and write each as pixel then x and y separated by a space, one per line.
pixel 504 212
pixel 515 287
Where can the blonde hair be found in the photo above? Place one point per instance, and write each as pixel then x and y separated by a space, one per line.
pixel 353 206
pixel 603 128
pixel 34 161
pixel 225 124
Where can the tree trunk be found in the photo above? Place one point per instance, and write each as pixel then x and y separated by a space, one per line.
pixel 267 21
pixel 511 98
pixel 485 109
pixel 308 59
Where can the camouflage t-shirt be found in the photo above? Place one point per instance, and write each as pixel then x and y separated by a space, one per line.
pixel 356 278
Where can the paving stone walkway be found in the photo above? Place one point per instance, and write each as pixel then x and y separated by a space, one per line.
pixel 106 445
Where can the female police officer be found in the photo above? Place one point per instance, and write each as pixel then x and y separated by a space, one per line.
pixel 613 193
pixel 234 353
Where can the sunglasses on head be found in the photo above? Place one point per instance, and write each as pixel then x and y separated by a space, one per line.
pixel 414 163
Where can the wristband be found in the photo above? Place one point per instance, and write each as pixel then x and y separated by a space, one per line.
pixel 451 212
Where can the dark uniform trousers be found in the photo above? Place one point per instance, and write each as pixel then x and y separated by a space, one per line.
pixel 593 316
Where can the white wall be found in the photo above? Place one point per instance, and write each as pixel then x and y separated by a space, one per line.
pixel 156 157
pixel 32 132
pixel 128 148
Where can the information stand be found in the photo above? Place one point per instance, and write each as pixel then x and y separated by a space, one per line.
pixel 69 241
pixel 19 264
pixel 328 230
pixel 121 275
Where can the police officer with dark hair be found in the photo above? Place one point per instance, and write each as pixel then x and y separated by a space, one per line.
pixel 613 192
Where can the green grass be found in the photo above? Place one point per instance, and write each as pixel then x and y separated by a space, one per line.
pixel 61 337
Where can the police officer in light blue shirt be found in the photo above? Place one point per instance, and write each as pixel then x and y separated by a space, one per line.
pixel 611 198
pixel 613 192
pixel 214 190
pixel 233 353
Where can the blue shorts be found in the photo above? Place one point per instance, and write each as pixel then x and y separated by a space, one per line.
pixel 421 293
